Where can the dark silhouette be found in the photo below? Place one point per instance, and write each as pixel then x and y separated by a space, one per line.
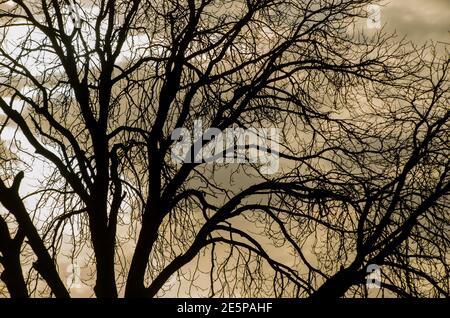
pixel 364 150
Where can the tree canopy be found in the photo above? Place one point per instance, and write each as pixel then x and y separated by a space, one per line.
pixel 92 91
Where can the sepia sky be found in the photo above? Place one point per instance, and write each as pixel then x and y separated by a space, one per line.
pixel 419 20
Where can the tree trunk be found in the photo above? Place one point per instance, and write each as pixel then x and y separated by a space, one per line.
pixel 135 282
pixel 12 274
pixel 338 284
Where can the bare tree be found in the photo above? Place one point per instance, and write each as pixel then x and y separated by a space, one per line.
pixel 364 152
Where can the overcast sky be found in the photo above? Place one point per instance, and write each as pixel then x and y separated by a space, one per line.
pixel 420 20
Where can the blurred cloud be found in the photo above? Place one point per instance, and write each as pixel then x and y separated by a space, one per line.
pixel 419 20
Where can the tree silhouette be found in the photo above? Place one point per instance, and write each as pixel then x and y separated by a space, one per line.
pixel 363 155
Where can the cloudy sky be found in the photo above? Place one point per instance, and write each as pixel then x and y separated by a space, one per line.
pixel 420 20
